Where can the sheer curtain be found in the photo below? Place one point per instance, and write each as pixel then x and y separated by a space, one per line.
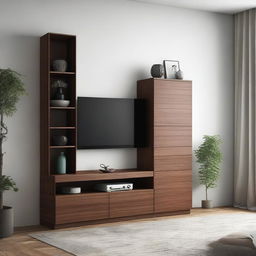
pixel 245 104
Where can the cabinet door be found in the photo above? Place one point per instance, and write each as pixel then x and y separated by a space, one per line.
pixel 83 207
pixel 173 191
pixel 129 203
pixel 173 103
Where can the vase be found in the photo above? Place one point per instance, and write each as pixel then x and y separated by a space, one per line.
pixel 6 222
pixel 207 204
pixel 157 70
pixel 61 164
pixel 59 95
pixel 179 75
pixel 59 65
pixel 60 140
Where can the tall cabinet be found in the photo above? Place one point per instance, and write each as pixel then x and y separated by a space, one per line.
pixel 169 149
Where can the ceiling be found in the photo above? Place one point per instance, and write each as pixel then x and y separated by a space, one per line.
pixel 221 6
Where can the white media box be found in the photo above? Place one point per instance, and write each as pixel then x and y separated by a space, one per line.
pixel 111 187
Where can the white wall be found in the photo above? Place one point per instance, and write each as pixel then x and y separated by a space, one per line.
pixel 117 42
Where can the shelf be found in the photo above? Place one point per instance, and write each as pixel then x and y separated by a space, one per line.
pixel 62 146
pixel 60 108
pixel 102 192
pixel 63 128
pixel 98 175
pixel 62 73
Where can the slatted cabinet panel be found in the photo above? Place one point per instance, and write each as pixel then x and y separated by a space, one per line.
pixel 172 103
pixel 173 190
pixel 130 203
pixel 83 207
pixel 171 141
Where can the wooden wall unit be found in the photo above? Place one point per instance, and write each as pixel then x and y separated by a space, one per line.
pixel 162 180
pixel 170 149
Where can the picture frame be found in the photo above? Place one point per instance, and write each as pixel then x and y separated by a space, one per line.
pixel 169 69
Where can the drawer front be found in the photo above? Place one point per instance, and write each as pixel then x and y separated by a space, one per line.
pixel 173 103
pixel 173 136
pixel 173 163
pixel 130 203
pixel 173 191
pixel 83 207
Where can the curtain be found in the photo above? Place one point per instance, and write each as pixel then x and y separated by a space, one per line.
pixel 245 104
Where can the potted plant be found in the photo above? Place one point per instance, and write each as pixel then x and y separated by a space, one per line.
pixel 11 88
pixel 209 157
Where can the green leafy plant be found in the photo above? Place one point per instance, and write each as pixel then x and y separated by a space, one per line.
pixel 11 88
pixel 209 157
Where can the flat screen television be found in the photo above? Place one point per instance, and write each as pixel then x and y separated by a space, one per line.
pixel 106 123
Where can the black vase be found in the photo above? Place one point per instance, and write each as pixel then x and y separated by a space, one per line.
pixel 60 140
pixel 157 70
pixel 59 95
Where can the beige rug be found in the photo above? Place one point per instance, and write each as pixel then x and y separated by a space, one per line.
pixel 193 236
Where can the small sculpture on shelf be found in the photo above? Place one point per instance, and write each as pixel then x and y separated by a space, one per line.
pixel 106 169
pixel 60 65
pixel 59 97
pixel 60 140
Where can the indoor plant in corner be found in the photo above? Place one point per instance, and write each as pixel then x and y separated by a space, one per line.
pixel 11 88
pixel 209 157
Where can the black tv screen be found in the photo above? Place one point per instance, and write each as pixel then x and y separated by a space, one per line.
pixel 106 123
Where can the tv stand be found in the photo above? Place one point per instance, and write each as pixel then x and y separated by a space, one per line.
pixel 162 180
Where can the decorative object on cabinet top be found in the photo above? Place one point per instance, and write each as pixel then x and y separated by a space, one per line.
pixel 157 70
pixel 172 69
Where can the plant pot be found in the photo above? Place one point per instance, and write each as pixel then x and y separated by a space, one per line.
pixel 6 222
pixel 207 204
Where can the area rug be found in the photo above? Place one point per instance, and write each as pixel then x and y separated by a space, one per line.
pixel 193 236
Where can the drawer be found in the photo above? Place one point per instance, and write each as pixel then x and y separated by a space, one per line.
pixel 173 136
pixel 173 191
pixel 82 207
pixel 173 163
pixel 130 203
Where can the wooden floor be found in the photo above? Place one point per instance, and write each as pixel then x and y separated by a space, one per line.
pixel 21 244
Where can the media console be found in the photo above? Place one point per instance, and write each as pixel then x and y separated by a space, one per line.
pixel 163 178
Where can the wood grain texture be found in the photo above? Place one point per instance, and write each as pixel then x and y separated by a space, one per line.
pixel 173 191
pixel 83 207
pixel 98 175
pixel 129 203
pixel 44 104
pixel 173 151
pixel 172 136
pixel 173 163
pixel 173 103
